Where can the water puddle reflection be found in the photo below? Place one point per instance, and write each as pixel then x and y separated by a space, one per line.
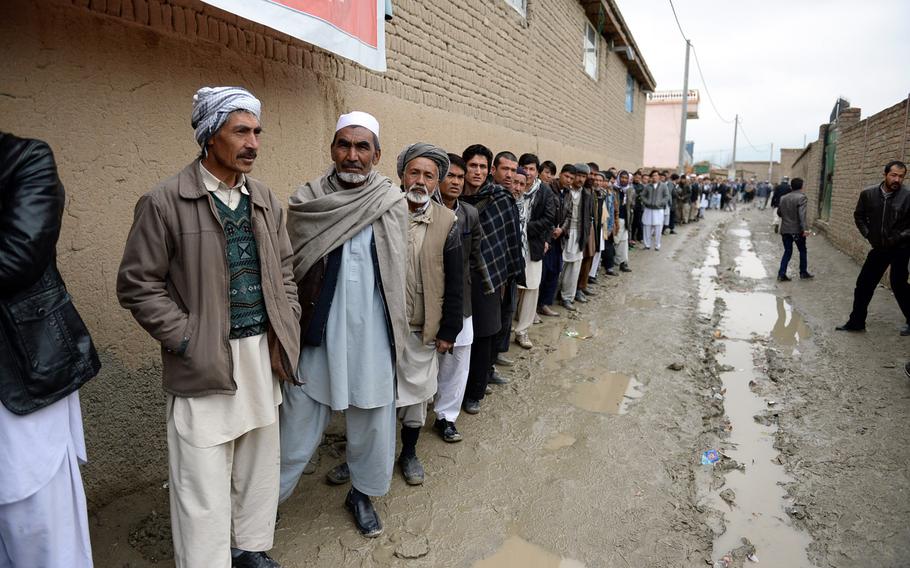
pixel 790 328
pixel 757 511
pixel 610 394
pixel 519 553
pixel 706 275
pixel 568 340
pixel 558 442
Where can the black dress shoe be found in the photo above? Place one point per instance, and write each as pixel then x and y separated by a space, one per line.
pixel 806 276
pixel 496 378
pixel 905 330
pixel 850 327
pixel 503 360
pixel 365 516
pixel 447 430
pixel 610 272
pixel 783 278
pixel 338 475
pixel 253 560
pixel 471 406
pixel 624 268
pixel 411 469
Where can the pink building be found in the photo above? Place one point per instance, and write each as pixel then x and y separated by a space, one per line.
pixel 663 117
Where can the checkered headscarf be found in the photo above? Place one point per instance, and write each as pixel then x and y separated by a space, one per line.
pixel 212 105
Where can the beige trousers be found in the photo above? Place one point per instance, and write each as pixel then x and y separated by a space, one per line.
pixel 223 496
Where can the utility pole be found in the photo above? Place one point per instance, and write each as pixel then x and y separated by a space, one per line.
pixel 771 163
pixel 681 167
pixel 735 132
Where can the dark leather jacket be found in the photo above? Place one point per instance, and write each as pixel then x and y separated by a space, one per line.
pixel 884 223
pixel 46 352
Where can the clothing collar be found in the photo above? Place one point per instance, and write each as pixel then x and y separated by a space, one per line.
pixel 213 184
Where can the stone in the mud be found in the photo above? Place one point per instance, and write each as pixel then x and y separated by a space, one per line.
pixel 797 512
pixel 412 547
pixel 676 366
pixel 726 368
pixel 728 495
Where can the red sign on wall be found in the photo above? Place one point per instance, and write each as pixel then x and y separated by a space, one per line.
pixel 354 29
pixel 354 17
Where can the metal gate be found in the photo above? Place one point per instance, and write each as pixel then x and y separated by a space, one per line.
pixel 827 175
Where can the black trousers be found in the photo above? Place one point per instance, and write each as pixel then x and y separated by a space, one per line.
pixel 506 313
pixel 877 261
pixel 608 254
pixel 482 355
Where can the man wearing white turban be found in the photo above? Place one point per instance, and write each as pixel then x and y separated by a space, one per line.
pixel 349 230
pixel 207 272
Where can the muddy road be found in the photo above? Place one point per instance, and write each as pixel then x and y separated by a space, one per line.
pixel 690 404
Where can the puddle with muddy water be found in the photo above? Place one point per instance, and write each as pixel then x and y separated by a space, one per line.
pixel 611 393
pixel 706 275
pixel 568 340
pixel 519 553
pixel 558 442
pixel 757 511
pixel 748 265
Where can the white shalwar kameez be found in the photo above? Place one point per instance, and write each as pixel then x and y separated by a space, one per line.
pixel 43 516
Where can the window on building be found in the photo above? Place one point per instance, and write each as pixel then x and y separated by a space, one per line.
pixel 630 92
pixel 590 59
pixel 521 6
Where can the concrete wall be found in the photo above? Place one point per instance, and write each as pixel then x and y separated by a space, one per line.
pixel 758 170
pixel 108 83
pixel 662 124
pixel 863 148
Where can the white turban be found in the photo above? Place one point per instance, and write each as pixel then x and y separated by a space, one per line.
pixel 358 118
pixel 212 105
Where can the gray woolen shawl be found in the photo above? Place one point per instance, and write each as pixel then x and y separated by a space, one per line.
pixel 323 215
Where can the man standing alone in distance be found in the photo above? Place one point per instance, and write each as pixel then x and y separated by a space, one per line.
pixel 794 229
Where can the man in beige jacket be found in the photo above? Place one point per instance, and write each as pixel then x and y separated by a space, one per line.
pixel 207 272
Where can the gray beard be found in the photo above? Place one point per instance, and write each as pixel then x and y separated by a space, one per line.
pixel 348 177
pixel 417 197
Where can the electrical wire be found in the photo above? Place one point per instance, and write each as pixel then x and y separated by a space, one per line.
pixel 704 84
pixel 746 136
pixel 677 21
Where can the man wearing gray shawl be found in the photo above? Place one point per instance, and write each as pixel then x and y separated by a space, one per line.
pixel 349 232
pixel 207 272
pixel 434 294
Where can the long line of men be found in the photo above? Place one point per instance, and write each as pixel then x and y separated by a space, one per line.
pixel 367 296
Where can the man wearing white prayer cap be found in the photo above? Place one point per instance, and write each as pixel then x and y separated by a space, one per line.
pixel 207 272
pixel 348 230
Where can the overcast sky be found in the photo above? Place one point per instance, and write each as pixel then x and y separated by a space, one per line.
pixel 780 64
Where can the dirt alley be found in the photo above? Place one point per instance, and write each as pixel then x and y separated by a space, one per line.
pixel 591 456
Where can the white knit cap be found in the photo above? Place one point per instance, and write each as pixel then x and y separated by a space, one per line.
pixel 358 118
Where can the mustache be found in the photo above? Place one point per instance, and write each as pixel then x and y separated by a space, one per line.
pixel 250 155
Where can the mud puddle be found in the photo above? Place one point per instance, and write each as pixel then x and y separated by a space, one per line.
pixel 706 275
pixel 748 265
pixel 519 553
pixel 753 499
pixel 567 340
pixel 558 442
pixel 611 393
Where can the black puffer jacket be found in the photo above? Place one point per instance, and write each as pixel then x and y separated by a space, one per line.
pixel 885 223
pixel 46 352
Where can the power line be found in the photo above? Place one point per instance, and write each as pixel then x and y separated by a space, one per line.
pixel 705 85
pixel 677 21
pixel 746 136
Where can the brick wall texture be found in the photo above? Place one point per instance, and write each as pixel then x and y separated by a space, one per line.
pixel 108 84
pixel 863 147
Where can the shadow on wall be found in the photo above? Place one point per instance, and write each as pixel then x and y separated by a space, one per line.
pixel 124 416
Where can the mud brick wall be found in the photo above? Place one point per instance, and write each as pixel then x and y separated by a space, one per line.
pixel 108 83
pixel 808 166
pixel 863 149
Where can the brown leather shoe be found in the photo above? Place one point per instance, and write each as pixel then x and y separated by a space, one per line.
pixel 547 311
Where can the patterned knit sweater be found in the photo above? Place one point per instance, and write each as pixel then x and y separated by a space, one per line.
pixel 248 315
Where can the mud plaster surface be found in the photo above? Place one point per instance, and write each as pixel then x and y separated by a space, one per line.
pixel 542 481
